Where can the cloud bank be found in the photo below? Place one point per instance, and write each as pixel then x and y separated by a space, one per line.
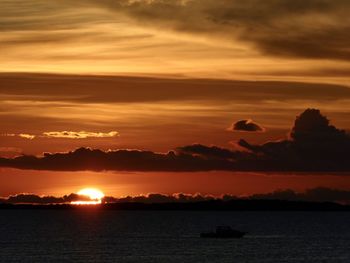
pixel 292 28
pixel 314 145
pixel 316 29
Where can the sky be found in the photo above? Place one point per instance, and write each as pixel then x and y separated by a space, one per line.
pixel 194 96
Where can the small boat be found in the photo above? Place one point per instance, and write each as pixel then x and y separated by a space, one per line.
pixel 224 232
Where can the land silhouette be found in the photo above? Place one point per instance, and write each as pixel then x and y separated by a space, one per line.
pixel 317 199
pixel 212 205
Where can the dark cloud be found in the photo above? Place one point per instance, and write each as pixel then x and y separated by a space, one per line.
pixel 214 153
pixel 315 145
pixel 80 88
pixel 246 125
pixel 120 160
pixel 316 29
pixel 295 28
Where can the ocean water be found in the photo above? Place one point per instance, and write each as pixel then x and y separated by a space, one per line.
pixel 172 236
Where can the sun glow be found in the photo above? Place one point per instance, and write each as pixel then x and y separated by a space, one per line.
pixel 94 197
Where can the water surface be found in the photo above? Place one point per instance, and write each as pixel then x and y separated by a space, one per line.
pixel 171 236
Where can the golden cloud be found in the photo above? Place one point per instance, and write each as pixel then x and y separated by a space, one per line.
pixel 80 134
pixel 26 136
pixel 21 135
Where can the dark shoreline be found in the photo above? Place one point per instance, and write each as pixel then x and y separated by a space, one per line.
pixel 215 205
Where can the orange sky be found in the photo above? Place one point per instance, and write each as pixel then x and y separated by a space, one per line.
pixel 121 184
pixel 154 76
pixel 195 38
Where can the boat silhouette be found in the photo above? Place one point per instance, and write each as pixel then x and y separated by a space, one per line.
pixel 223 232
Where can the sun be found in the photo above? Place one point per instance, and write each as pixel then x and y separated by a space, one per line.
pixel 95 196
pixel 92 193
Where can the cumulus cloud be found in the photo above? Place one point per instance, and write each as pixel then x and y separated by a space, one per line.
pixel 315 145
pixel 247 126
pixel 79 135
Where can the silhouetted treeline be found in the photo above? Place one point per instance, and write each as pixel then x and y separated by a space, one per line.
pixel 212 205
pixel 319 194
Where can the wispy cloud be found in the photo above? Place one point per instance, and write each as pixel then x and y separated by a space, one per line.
pixel 65 135
pixel 21 135
pixel 197 37
pixel 26 136
pixel 80 134
pixel 312 29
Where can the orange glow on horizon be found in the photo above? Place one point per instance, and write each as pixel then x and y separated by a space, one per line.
pixel 86 202
pixel 92 193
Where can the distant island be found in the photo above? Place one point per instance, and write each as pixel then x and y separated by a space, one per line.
pixel 211 205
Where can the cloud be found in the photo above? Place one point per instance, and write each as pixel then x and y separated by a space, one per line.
pixel 79 135
pixel 316 29
pixel 26 136
pixel 315 145
pixel 312 125
pixel 292 28
pixel 246 125
pixel 21 135
pixel 112 89
pixel 212 152
pixel 119 160
pixel 65 135
pixel 8 135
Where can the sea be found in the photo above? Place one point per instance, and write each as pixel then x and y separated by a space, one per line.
pixel 94 235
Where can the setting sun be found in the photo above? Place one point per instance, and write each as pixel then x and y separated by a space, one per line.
pixel 93 194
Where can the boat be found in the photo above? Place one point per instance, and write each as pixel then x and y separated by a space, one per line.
pixel 223 232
